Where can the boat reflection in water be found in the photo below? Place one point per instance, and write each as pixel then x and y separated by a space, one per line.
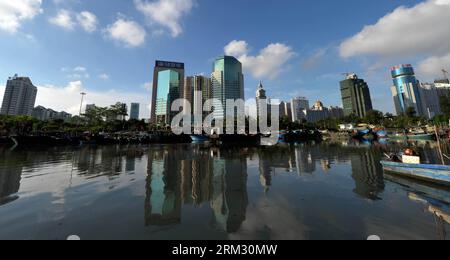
pixel 198 191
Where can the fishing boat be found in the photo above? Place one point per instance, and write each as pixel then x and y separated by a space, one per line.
pixel 423 137
pixel 438 174
pixel 364 134
pixel 381 133
pixel 199 138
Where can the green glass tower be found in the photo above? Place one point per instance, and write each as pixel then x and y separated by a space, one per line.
pixel 169 84
pixel 227 83
pixel 355 96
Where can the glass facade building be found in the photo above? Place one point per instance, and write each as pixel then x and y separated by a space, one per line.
pixel 134 111
pixel 162 66
pixel 405 90
pixel 169 84
pixel 227 83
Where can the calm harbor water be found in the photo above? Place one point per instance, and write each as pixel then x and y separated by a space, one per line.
pixel 305 191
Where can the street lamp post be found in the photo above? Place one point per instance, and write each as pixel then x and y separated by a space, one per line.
pixel 82 99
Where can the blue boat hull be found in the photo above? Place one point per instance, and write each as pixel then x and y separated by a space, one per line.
pixel 199 138
pixel 439 174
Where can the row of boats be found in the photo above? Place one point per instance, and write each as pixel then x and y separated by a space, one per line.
pixel 370 134
pixel 282 137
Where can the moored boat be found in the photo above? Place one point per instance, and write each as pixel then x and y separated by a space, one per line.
pixel 424 137
pixel 439 174
pixel 199 138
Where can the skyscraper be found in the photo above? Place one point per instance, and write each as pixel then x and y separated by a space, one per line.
pixel 405 90
pixel 430 100
pixel 134 111
pixel 169 84
pixel 227 83
pixel 161 68
pixel 19 98
pixel 355 96
pixel 201 84
pixel 298 105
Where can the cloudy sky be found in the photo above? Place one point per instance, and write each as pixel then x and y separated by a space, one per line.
pixel 107 48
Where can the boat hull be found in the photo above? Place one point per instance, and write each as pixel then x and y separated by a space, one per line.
pixel 424 137
pixel 199 138
pixel 439 174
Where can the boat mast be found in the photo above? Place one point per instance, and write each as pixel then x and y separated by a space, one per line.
pixel 438 138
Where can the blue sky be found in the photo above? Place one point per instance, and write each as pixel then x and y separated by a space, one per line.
pixel 296 47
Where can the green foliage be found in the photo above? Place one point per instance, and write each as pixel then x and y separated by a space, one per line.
pixel 374 117
pixel 94 121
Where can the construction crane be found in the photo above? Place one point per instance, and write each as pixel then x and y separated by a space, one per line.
pixel 445 73
pixel 347 74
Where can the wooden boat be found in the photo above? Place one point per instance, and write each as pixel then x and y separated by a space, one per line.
pixel 439 174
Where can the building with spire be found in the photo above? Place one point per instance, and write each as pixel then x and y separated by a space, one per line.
pixel 260 97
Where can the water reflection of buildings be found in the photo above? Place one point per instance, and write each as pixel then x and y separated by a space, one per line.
pixel 10 176
pixel 108 160
pixel 179 177
pixel 163 200
pixel 230 198
pixel 367 173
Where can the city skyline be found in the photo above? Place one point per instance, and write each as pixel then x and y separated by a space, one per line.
pixel 115 61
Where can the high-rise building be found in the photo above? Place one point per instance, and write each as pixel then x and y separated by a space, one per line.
pixel 19 98
pixel 201 84
pixel 430 100
pixel 134 111
pixel 168 90
pixel 405 90
pixel 355 96
pixel 227 83
pixel 443 89
pixel 171 72
pixel 188 91
pixel 336 112
pixel 286 110
pixel 298 105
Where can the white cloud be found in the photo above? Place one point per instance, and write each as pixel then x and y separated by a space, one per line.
pixel 88 21
pixel 236 48
pixel 270 61
pixel 14 12
pixel 78 72
pixel 127 32
pixel 63 19
pixel 433 66
pixel 80 69
pixel 103 76
pixel 166 13
pixel 419 30
pixel 68 98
